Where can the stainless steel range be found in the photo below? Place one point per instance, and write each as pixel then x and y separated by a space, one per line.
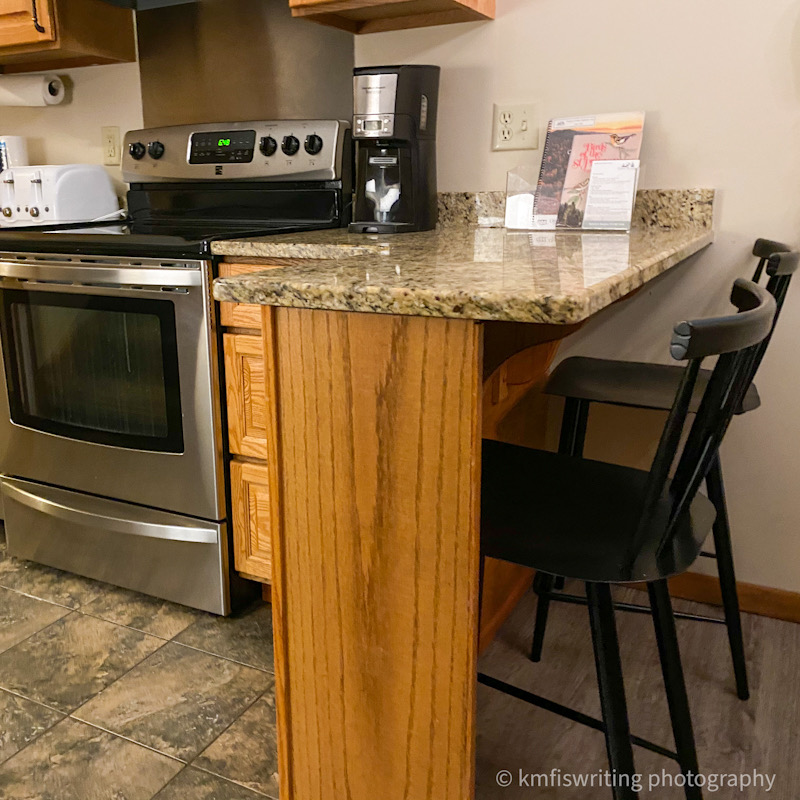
pixel 111 413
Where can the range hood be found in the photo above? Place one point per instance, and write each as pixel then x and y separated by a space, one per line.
pixel 146 5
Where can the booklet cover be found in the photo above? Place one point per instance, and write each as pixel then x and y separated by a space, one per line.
pixel 572 145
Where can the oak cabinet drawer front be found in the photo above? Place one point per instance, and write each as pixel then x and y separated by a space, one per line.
pixel 18 23
pixel 245 381
pixel 240 315
pixel 252 519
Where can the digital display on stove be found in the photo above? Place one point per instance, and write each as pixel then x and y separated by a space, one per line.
pixel 222 147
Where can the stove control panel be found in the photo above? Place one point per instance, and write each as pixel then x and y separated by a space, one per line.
pixel 262 150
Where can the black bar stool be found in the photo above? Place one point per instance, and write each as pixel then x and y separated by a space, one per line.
pixel 652 386
pixel 603 524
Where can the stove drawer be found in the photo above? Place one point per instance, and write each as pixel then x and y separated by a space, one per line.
pixel 177 558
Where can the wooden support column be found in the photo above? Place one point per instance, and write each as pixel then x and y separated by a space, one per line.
pixel 376 551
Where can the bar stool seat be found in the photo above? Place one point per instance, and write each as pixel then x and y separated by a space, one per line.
pixel 631 383
pixel 585 514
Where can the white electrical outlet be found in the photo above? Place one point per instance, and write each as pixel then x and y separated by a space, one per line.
pixel 515 127
pixel 111 151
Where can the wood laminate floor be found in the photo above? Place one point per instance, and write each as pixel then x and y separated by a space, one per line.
pixel 109 695
pixel 733 736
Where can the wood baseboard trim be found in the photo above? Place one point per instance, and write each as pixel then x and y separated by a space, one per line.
pixel 753 599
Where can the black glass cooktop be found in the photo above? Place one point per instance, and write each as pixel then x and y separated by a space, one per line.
pixel 182 220
pixel 127 240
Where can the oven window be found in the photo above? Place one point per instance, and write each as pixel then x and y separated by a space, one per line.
pixel 98 369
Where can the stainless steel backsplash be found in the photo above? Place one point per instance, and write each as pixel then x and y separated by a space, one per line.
pixel 234 60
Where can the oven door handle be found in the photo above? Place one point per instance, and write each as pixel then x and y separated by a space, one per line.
pixel 163 277
pixel 95 515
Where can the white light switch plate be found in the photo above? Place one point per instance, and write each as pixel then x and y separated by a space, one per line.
pixel 515 127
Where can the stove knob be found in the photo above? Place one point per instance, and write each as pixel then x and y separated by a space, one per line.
pixel 137 151
pixel 7 211
pixel 291 145
pixel 313 144
pixel 268 146
pixel 156 150
pixel 34 211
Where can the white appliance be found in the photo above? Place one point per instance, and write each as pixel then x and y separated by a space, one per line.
pixel 55 194
pixel 13 152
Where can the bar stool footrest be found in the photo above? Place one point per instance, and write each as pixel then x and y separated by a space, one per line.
pixel 580 600
pixel 566 711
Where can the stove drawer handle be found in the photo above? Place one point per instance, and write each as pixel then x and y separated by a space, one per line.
pixel 100 518
pixel 116 276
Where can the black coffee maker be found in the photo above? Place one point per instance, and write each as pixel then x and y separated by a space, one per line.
pixel 394 128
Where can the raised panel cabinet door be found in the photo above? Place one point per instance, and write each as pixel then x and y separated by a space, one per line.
pixel 245 382
pixel 252 519
pixel 26 22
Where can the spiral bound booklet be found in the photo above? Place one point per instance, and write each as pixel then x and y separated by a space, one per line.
pixel 572 146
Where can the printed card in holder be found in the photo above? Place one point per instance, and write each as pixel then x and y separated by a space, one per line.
pixel 571 147
pixel 611 195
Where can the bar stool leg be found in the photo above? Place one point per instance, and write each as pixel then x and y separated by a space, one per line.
pixel 672 670
pixel 612 689
pixel 543 586
pixel 571 441
pixel 727 577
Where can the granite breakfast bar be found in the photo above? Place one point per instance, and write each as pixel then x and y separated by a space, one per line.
pixel 387 359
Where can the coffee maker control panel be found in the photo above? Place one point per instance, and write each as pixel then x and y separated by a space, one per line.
pixel 373 127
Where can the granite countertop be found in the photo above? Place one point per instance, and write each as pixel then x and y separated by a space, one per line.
pixel 465 269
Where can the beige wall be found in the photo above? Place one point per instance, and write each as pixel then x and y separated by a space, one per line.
pixel 70 133
pixel 720 82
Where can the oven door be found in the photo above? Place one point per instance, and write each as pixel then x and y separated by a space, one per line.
pixel 111 384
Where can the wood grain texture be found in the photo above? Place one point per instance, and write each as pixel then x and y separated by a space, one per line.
pixel 83 32
pixel 16 22
pixel 239 315
pixel 247 315
pixel 252 519
pixel 376 554
pixel 374 16
pixel 245 384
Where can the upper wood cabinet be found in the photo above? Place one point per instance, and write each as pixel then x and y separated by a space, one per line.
pixel 25 22
pixel 372 16
pixel 50 34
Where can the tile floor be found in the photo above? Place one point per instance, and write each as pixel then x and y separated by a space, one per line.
pixel 109 695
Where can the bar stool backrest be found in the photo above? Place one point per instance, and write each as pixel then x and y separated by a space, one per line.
pixel 780 267
pixel 735 339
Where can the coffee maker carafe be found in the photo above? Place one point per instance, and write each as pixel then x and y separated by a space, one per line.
pixel 394 128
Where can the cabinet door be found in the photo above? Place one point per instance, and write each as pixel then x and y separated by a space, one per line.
pixel 252 520
pixel 19 20
pixel 245 382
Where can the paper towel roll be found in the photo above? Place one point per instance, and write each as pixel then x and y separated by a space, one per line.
pixel 31 90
